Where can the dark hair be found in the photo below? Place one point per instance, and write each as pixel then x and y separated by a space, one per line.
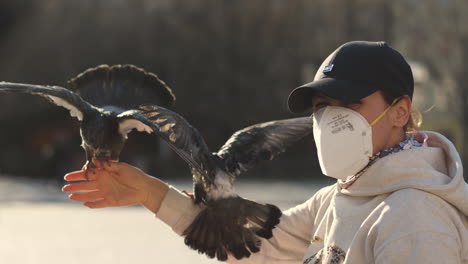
pixel 415 119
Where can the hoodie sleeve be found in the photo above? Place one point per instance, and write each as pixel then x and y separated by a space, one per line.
pixel 177 210
pixel 291 237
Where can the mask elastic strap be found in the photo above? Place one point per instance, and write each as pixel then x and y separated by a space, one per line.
pixel 384 112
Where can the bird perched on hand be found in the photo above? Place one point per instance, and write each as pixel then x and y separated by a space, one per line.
pixel 228 224
pixel 102 99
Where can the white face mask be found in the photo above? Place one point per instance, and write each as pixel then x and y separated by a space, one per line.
pixel 344 140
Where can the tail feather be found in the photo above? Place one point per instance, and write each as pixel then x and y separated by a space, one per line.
pixel 231 226
pixel 221 254
pixel 199 232
pixel 263 218
pixel 270 223
pixel 121 86
pixel 238 245
pixel 253 243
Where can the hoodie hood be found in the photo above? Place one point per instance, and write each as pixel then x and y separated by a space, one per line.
pixel 436 169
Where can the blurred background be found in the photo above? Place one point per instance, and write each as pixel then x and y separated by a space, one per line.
pixel 230 64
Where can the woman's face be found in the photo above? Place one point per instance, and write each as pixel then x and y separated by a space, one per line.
pixel 388 131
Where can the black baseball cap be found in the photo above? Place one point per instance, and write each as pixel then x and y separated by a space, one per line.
pixel 356 70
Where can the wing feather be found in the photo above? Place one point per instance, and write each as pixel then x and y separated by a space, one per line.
pixel 183 138
pixel 121 86
pixel 264 141
pixel 132 119
pixel 54 94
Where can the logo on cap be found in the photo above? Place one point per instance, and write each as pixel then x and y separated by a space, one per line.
pixel 328 68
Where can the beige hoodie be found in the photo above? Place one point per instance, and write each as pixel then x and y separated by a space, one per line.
pixel 408 207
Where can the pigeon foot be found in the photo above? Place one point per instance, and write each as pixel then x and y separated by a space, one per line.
pixel 87 168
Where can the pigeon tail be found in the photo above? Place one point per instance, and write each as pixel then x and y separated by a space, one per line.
pixel 231 226
pixel 121 87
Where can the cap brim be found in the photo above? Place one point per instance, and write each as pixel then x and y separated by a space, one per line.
pixel 300 99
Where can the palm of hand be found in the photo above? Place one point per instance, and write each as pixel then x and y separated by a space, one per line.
pixel 116 190
pixel 115 185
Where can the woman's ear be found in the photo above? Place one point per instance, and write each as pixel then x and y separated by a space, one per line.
pixel 401 112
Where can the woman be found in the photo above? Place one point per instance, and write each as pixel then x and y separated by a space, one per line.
pixel 400 196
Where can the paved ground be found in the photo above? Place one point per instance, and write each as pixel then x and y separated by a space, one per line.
pixel 39 225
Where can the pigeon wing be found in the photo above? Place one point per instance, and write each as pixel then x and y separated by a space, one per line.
pixel 121 87
pixel 183 138
pixel 264 141
pixel 133 119
pixel 55 94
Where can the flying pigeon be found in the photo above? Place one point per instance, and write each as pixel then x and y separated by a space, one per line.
pixel 106 116
pixel 228 224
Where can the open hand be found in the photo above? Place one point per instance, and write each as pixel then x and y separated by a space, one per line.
pixel 115 184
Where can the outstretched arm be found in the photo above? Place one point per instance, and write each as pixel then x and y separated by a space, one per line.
pixel 121 184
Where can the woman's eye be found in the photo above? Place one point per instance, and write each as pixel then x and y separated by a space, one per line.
pixel 353 105
pixel 320 105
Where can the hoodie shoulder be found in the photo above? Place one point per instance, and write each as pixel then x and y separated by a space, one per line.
pixel 412 220
pixel 410 213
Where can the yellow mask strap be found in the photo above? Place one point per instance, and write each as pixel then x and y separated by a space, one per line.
pixel 384 112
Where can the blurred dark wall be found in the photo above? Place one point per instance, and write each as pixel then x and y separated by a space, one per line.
pixel 230 64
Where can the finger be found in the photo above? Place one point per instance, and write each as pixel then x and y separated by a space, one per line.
pixel 75 176
pixel 97 204
pixel 86 197
pixel 93 174
pixel 81 187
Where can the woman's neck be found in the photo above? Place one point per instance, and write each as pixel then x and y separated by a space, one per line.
pixel 395 138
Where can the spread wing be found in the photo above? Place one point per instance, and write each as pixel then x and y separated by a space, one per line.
pixel 55 94
pixel 121 87
pixel 183 138
pixel 264 141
